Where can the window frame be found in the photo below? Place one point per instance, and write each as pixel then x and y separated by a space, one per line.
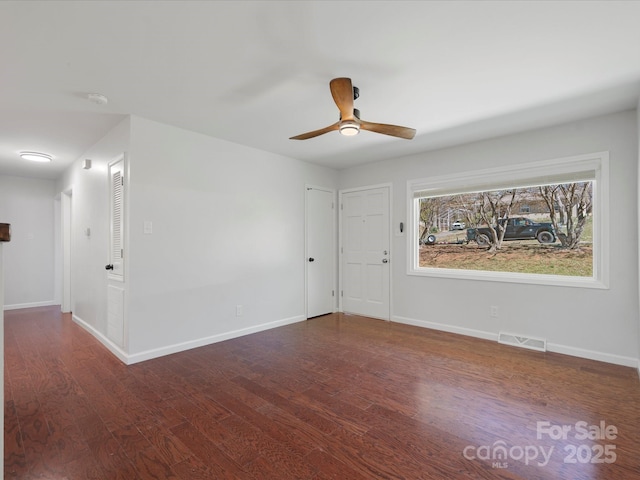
pixel 593 166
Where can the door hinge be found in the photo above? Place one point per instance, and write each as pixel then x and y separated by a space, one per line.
pixel 333 293
pixel 122 253
pixel 342 293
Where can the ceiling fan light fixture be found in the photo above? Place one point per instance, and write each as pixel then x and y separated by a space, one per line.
pixel 349 128
pixel 350 124
pixel 36 157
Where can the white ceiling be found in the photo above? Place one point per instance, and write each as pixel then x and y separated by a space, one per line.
pixel 257 73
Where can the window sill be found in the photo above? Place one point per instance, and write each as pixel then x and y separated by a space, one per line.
pixel 510 277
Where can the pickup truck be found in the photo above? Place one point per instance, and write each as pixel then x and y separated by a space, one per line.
pixel 518 228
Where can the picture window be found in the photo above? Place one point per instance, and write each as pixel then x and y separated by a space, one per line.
pixel 541 222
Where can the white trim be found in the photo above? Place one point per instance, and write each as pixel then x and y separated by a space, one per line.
pixel 596 163
pixel 19 306
pixel 201 342
pixel 367 187
pixel 511 277
pixel 470 332
pixel 112 347
pixel 592 355
pixel 512 175
pixel 551 347
pixel 130 359
pixel 66 233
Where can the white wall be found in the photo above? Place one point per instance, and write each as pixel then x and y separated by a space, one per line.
pixel 28 205
pixel 228 229
pixel 638 182
pixel 90 209
pixel 600 324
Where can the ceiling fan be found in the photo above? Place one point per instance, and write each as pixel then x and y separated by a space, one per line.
pixel 344 93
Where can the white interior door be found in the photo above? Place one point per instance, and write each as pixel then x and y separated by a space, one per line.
pixel 115 268
pixel 320 251
pixel 365 252
pixel 116 228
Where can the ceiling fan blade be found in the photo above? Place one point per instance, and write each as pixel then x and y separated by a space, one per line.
pixel 315 133
pixel 342 92
pixel 393 130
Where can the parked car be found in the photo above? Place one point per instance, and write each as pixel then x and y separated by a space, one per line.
pixel 458 225
pixel 517 228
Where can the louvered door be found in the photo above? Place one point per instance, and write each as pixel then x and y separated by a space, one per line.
pixel 117 199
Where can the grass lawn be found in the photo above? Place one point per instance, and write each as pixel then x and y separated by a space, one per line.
pixel 519 256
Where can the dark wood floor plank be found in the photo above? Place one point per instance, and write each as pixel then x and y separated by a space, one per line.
pixel 303 412
pixel 329 468
pixel 15 462
pixel 36 437
pixel 336 397
pixel 170 448
pixel 111 458
pixel 150 464
pixel 208 453
pixel 240 440
pixel 194 469
pixel 289 463
pixel 304 433
pixel 277 432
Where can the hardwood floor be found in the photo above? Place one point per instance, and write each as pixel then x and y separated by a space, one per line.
pixel 336 397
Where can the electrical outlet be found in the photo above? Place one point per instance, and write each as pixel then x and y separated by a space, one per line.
pixel 239 310
pixel 493 311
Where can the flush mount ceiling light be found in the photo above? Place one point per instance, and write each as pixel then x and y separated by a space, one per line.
pixel 97 98
pixel 36 157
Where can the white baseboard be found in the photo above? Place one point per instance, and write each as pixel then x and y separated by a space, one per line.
pixel 201 342
pixel 446 328
pixel 551 347
pixel 19 306
pixel 592 355
pixel 112 347
pixel 130 359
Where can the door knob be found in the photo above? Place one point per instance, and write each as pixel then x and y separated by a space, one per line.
pixel 384 260
pixel 108 267
pixel 311 259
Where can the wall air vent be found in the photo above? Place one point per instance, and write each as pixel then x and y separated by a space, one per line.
pixel 539 344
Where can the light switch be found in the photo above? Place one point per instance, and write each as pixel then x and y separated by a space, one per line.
pixel 148 227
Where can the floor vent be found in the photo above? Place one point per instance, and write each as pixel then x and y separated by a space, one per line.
pixel 539 344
